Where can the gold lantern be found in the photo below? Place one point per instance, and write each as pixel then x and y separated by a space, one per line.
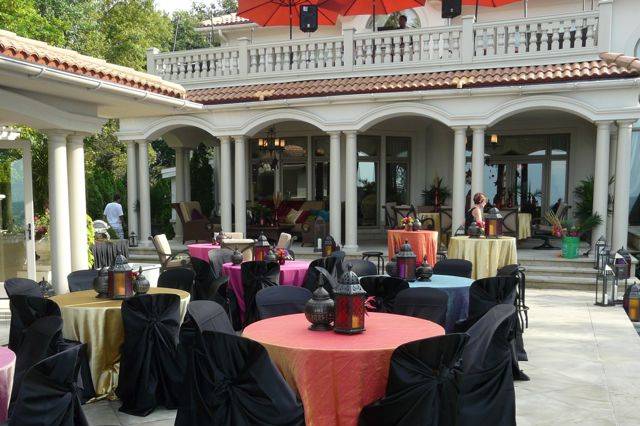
pixel 493 223
pixel 120 279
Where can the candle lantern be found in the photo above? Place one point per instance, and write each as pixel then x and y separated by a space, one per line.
pixel 493 223
pixel 271 257
pixel 406 262
pixel 219 237
pixel 474 231
pixel 101 283
pixel 141 284
pixel 632 303
pixel 120 279
pixel 261 247
pixel 133 239
pixel 236 257
pixel 623 264
pixel 459 232
pixel 320 309
pixel 328 246
pixel 606 283
pixel 392 267
pixel 349 304
pixel 424 272
pixel 599 248
pixel 46 288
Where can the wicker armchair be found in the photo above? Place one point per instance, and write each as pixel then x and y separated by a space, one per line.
pixel 195 225
pixel 168 259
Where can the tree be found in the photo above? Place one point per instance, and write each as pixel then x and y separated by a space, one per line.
pixel 23 18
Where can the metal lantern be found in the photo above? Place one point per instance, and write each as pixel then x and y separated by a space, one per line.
pixel 599 245
pixel 633 303
pixel 141 284
pixel 133 239
pixel 349 304
pixel 459 232
pixel 46 288
pixel 493 223
pixel 606 285
pixel 417 225
pixel 392 267
pixel 328 246
pixel 271 257
pixel 120 279
pixel 219 237
pixel 623 258
pixel 261 248
pixel 101 283
pixel 406 262
pixel 320 309
pixel 424 272
pixel 236 257
pixel 474 231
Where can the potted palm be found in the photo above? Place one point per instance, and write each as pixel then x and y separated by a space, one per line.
pixel 571 232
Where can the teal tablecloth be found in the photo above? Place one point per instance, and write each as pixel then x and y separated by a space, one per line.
pixel 457 288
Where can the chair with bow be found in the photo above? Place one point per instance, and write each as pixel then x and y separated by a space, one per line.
pixel 454 267
pixel 178 278
pixel 81 280
pixel 360 267
pixel 426 303
pixel 281 300
pixel 23 286
pixel 256 275
pixel 383 290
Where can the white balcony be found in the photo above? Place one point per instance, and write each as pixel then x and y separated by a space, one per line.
pixel 558 38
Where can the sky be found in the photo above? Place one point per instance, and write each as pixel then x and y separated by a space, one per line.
pixel 172 5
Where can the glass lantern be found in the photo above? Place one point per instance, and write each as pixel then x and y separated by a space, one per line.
pixel 261 248
pixel 120 279
pixel 133 239
pixel 599 248
pixel 328 246
pixel 493 223
pixel 633 303
pixel 623 264
pixel 349 304
pixel 406 262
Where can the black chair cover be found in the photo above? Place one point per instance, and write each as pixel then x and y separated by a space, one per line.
pixel 281 300
pixel 340 255
pixel 81 280
pixel 424 384
pixel 178 278
pixel 256 275
pixel 384 289
pixel 24 286
pixel 426 303
pixel 360 267
pixel 330 264
pixel 206 286
pixel 150 372
pixel 455 267
pixel 232 382
pixel 48 395
pixel 487 396
pixel 24 311
pixel 205 315
pixel 521 307
pixel 217 258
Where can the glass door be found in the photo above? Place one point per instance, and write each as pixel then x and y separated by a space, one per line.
pixel 368 180
pixel 529 183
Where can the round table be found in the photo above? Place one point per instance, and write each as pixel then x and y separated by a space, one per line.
pixel 457 288
pixel 486 254
pixel 336 374
pixel 422 243
pixel 293 272
pixel 201 251
pixel 98 323
pixel 7 369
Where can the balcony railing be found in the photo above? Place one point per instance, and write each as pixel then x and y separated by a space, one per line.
pixel 464 45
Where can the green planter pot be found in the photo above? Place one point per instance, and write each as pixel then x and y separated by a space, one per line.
pixel 570 246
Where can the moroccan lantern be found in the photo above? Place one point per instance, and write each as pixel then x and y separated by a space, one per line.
pixel 328 246
pixel 406 262
pixel 391 267
pixel 623 258
pixel 424 272
pixel 271 257
pixel 46 288
pixel 349 304
pixel 320 309
pixel 120 279
pixel 474 231
pixel 141 284
pixel 633 303
pixel 133 239
pixel 101 283
pixel 261 248
pixel 600 246
pixel 493 223
pixel 219 237
pixel 236 257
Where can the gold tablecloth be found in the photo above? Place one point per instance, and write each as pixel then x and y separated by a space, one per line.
pixel 433 216
pixel 486 254
pixel 98 323
pixel 524 226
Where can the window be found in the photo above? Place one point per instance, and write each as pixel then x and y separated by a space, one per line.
pixel 397 170
pixel 320 156
pixel 368 167
pixel 634 189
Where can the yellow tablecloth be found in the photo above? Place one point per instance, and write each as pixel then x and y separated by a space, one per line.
pixel 433 216
pixel 486 254
pixel 524 226
pixel 98 323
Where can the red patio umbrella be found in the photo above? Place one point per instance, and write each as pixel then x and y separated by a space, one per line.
pixel 373 7
pixel 272 13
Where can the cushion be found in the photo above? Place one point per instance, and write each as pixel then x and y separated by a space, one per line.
pixel 324 214
pixel 292 216
pixel 197 215
pixel 303 216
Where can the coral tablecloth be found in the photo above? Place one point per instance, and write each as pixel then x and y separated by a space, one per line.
pixel 457 288
pixel 98 323
pixel 201 251
pixel 335 374
pixel 524 226
pixel 422 242
pixel 486 254
pixel 7 369
pixel 293 272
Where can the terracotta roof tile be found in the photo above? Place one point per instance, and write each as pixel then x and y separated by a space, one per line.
pixel 66 60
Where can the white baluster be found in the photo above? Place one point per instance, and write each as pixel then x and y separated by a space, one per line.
pixel 278 54
pixel 304 57
pixel 520 41
pixel 339 54
pixel 313 55
pixel 555 38
pixel 545 31
pixel 500 45
pixel 590 39
pixel 359 53
pixel 446 46
pixel 395 48
pixel 330 52
pixel 387 50
pixel 295 58
pixel 372 55
pixel 491 42
pixel 480 41
pixel 565 27
pixel 511 39
pixel 533 37
pixel 253 61
pixel 407 51
pixel 455 45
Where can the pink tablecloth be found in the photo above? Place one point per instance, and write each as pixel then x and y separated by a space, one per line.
pixel 336 374
pixel 293 272
pixel 7 369
pixel 201 251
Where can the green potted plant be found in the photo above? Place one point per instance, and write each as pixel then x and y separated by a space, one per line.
pixel 571 232
pixel 437 194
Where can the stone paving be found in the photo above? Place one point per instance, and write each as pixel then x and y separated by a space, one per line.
pixel 583 364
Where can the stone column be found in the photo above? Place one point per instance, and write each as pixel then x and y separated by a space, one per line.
pixel 240 182
pixel 613 149
pixel 623 176
pixel 225 183
pixel 383 180
pixel 187 176
pixel 179 188
pixel 335 220
pixel 77 203
pixel 477 160
pixel 351 193
pixel 458 196
pixel 144 192
pixel 59 229
pixel 601 178
pixel 132 188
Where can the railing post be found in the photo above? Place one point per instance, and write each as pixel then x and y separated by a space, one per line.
pixel 347 43
pixel 151 60
pixel 605 16
pixel 467 42
pixel 243 56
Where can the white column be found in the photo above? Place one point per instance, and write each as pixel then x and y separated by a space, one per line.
pixel 225 183
pixel 623 176
pixel 309 169
pixel 383 179
pixel 59 230
pixel 132 188
pixel 240 184
pixel 144 192
pixel 178 183
pixel 335 224
pixel 77 203
pixel 187 176
pixel 457 198
pixel 351 193
pixel 613 150
pixel 27 171
pixel 601 178
pixel 477 161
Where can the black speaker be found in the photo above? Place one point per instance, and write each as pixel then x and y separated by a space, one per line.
pixel 451 8
pixel 308 18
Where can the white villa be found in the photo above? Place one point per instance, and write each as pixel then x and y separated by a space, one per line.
pixel 527 107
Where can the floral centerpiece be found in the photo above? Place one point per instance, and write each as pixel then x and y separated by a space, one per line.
pixel 281 255
pixel 407 222
pixel 570 232
pixel 42 225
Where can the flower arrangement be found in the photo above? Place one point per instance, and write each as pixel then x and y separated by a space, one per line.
pixel 42 225
pixel 407 222
pixel 561 229
pixel 281 255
